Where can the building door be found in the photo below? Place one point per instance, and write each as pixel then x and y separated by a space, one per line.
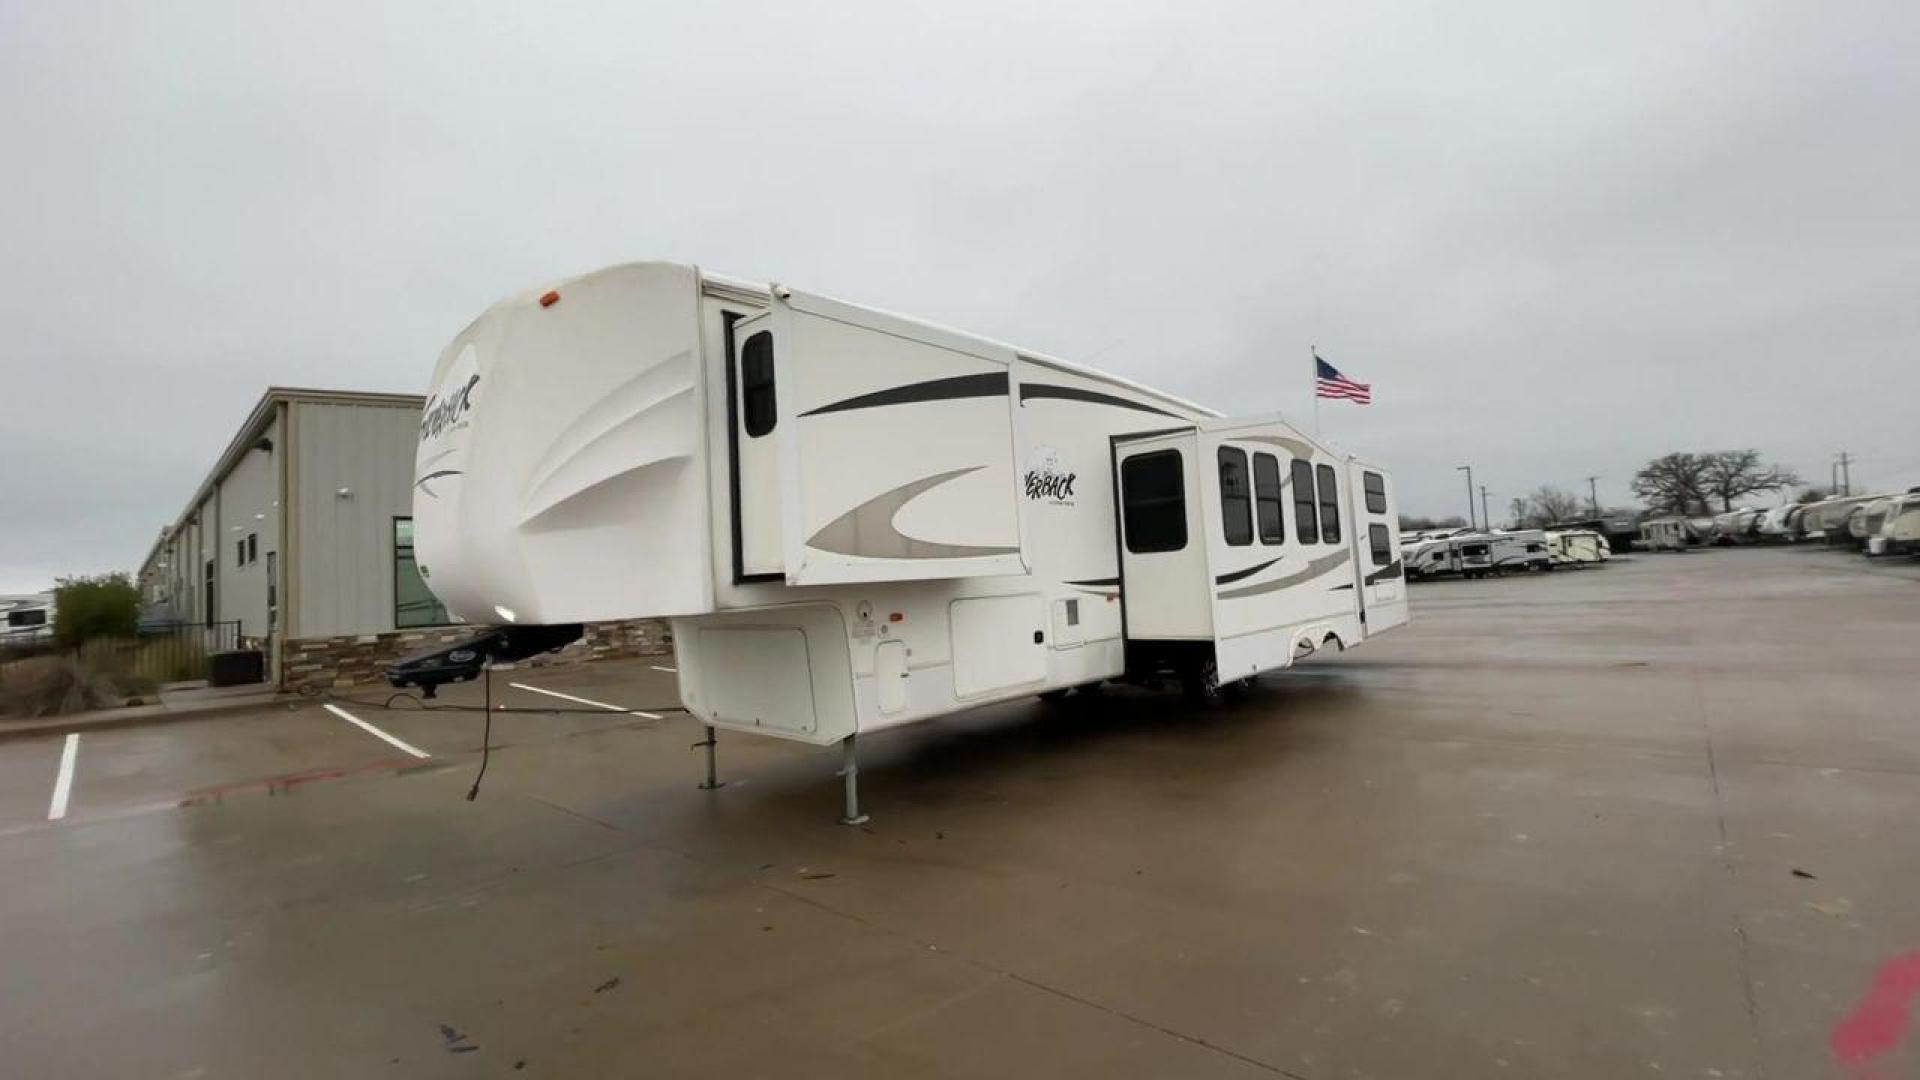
pixel 206 617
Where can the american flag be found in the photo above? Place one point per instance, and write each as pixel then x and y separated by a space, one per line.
pixel 1329 383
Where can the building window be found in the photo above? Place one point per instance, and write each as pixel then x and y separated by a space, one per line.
pixel 1154 502
pixel 1306 522
pixel 1381 543
pixel 253 548
pixel 1266 499
pixel 1236 497
pixel 1376 493
pixel 240 551
pixel 1329 505
pixel 756 382
pixel 413 603
pixel 273 582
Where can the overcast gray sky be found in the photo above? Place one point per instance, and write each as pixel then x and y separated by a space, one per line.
pixel 1558 239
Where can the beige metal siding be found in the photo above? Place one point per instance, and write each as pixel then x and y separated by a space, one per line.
pixel 249 505
pixel 343 544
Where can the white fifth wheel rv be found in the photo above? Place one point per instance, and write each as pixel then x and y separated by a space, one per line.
pixel 856 520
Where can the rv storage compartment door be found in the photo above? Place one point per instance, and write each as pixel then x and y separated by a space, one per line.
pixel 897 448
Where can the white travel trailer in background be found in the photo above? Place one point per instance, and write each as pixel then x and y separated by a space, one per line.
pixel 1827 519
pixel 1899 531
pixel 1667 534
pixel 1577 547
pixel 1519 549
pixel 856 520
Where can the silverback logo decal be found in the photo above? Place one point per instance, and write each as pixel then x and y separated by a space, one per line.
pixel 443 413
pixel 1047 480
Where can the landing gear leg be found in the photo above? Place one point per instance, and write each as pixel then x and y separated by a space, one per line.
pixel 712 781
pixel 850 771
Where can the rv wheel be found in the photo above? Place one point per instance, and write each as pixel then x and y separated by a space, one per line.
pixel 1051 696
pixel 1202 684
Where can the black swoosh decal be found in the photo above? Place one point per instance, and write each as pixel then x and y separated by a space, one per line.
pixel 991 384
pixel 1096 581
pixel 422 482
pixel 1074 393
pixel 1313 569
pixel 1388 572
pixel 1337 588
pixel 1237 575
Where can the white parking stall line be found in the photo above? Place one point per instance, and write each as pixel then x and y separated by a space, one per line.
pixel 583 701
pixel 375 732
pixel 668 670
pixel 63 780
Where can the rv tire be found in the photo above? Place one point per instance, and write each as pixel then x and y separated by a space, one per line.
pixel 1051 696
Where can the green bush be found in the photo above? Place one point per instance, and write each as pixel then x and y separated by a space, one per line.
pixel 85 608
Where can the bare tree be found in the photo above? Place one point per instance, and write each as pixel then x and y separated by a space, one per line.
pixel 1733 474
pixel 1552 505
pixel 1674 484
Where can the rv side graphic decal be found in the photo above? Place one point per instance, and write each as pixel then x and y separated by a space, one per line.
pixel 867 530
pixel 1312 570
pixel 993 384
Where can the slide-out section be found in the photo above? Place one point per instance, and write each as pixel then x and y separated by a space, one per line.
pixel 880 449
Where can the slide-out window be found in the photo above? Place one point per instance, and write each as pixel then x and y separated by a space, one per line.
pixel 1236 497
pixel 1153 493
pixel 1376 493
pixel 1382 545
pixel 1306 521
pixel 1266 499
pixel 1329 505
pixel 756 383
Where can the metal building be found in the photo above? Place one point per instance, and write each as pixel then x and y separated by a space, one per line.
pixel 300 538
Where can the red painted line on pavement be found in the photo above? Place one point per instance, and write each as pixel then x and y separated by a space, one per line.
pixel 1879 1020
pixel 280 785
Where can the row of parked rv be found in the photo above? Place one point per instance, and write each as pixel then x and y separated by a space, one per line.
pixel 1876 524
pixel 1471 553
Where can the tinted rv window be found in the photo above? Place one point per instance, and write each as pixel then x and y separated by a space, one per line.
pixel 1236 497
pixel 1266 499
pixel 756 383
pixel 1376 493
pixel 1306 522
pixel 1329 506
pixel 1154 502
pixel 1382 546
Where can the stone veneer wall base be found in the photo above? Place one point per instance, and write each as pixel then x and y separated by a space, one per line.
pixel 341 663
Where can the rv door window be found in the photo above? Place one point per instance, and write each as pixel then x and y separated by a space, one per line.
pixel 756 383
pixel 1266 499
pixel 1376 493
pixel 1381 544
pixel 1306 521
pixel 1329 506
pixel 1236 508
pixel 1154 502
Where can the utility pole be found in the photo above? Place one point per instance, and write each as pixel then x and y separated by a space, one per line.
pixel 1593 494
pixel 1469 472
pixel 1846 477
pixel 1485 518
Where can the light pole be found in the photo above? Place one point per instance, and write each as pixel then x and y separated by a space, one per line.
pixel 1486 519
pixel 1468 469
pixel 1593 494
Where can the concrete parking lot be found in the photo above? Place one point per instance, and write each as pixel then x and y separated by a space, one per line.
pixel 1652 819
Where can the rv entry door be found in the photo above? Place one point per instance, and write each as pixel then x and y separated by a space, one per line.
pixel 755 408
pixel 1379 567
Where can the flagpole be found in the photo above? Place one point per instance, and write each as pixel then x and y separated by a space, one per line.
pixel 1313 386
